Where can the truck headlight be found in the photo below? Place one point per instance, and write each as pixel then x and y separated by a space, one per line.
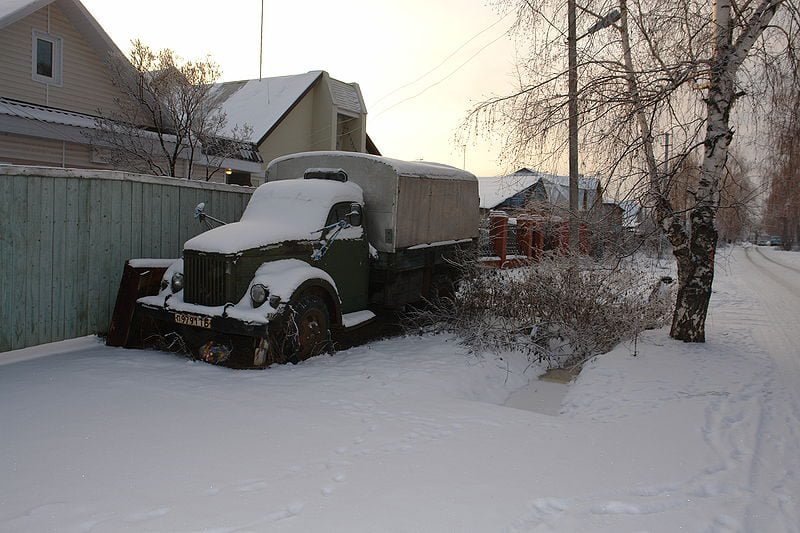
pixel 258 293
pixel 177 282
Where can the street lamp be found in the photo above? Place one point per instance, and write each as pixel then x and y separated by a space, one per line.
pixel 572 107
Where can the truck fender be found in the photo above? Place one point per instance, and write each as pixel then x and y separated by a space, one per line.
pixel 329 295
pixel 289 278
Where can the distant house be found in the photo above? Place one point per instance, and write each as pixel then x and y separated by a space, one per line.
pixel 525 188
pixel 299 113
pixel 55 82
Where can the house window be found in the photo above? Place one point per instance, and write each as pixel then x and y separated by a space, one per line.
pixel 47 58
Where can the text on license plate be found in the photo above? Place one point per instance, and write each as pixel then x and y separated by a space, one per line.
pixel 193 320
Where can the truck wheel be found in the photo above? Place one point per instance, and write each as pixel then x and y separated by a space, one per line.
pixel 311 328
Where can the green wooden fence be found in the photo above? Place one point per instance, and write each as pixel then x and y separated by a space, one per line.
pixel 65 235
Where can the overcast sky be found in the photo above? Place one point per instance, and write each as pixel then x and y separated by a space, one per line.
pixel 379 44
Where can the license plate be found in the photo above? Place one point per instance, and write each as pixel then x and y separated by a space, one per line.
pixel 193 320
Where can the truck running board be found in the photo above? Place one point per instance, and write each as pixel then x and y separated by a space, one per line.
pixel 358 318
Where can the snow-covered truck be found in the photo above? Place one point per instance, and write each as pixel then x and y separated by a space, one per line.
pixel 331 239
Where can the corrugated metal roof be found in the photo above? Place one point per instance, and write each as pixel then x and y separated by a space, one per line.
pixel 244 151
pixel 346 96
pixel 46 114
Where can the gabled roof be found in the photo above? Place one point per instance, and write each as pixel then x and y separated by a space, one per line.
pixel 493 191
pixel 12 11
pixel 263 103
pixel 557 188
pixel 346 96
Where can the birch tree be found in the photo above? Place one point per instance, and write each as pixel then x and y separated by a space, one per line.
pixel 663 67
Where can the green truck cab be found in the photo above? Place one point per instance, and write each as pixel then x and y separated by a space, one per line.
pixel 331 239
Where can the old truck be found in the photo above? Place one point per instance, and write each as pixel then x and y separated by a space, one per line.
pixel 331 239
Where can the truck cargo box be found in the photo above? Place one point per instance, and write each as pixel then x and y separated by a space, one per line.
pixel 408 204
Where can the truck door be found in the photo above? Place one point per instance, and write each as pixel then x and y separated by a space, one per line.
pixel 347 261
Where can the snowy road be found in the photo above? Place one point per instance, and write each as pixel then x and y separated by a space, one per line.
pixel 411 434
pixel 775 287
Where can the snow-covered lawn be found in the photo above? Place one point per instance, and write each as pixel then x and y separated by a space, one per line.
pixel 411 434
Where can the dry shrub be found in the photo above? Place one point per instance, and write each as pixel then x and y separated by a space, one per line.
pixel 560 311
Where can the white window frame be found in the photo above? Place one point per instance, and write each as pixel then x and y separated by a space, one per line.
pixel 58 58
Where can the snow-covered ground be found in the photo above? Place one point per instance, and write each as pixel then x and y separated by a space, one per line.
pixel 412 434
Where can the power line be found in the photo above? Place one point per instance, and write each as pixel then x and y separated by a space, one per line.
pixel 454 52
pixel 487 45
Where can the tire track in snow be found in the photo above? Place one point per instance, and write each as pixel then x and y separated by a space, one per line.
pixel 762 254
pixel 779 398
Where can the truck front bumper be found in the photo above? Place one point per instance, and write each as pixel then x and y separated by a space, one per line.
pixel 217 324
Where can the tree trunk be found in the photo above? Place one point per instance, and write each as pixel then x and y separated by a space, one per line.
pixel 695 278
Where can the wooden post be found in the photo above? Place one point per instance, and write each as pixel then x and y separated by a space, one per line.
pixel 584 239
pixel 563 238
pixel 538 240
pixel 525 236
pixel 498 234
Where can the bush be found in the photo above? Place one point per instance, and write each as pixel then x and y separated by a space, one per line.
pixel 560 311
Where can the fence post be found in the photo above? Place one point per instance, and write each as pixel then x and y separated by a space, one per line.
pixel 538 240
pixel 498 234
pixel 525 235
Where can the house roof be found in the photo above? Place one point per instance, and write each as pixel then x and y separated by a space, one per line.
pixel 346 96
pixel 557 188
pixel 262 104
pixel 12 11
pixel 47 115
pixel 48 120
pixel 493 191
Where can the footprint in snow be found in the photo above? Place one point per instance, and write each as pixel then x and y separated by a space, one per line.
pixel 148 515
pixel 250 487
pixel 293 509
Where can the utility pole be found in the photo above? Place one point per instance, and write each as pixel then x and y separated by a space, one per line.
pixel 261 46
pixel 572 107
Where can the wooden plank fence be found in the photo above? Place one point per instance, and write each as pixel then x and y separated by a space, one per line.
pixel 65 235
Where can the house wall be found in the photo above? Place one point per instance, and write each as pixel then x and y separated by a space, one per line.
pixel 25 150
pixel 294 133
pixel 65 236
pixel 323 135
pixel 311 126
pixel 86 83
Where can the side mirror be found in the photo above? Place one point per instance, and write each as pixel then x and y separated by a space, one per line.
pixel 355 215
pixel 199 211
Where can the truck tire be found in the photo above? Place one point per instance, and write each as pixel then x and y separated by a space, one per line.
pixel 309 328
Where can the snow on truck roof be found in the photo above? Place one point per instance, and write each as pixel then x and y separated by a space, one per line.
pixel 280 211
pixel 402 168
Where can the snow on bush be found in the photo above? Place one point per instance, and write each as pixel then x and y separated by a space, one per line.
pixel 560 310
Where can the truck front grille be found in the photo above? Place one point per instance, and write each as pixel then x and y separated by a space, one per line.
pixel 204 278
